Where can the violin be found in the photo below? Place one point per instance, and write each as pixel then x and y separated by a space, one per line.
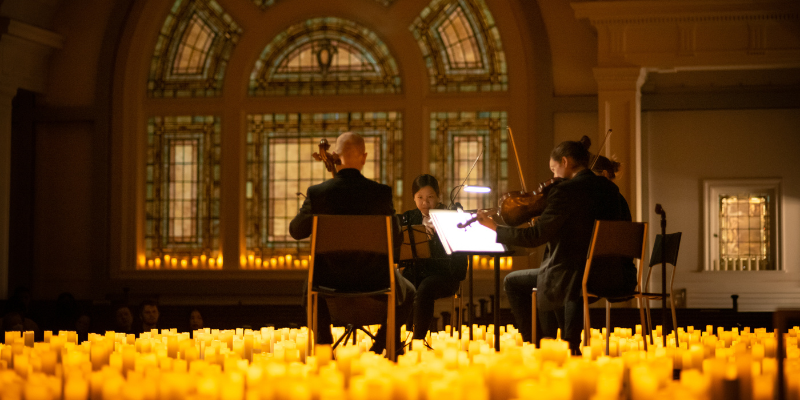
pixel 518 207
pixel 330 160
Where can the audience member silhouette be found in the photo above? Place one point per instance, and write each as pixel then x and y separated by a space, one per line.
pixel 195 320
pixel 123 319
pixel 148 312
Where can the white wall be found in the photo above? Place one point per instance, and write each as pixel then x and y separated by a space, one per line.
pixel 681 149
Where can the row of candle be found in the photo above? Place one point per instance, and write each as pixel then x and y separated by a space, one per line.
pixel 253 262
pixel 487 262
pixel 178 262
pixel 273 364
pixel 281 262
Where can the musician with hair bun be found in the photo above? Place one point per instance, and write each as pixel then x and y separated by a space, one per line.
pixel 565 228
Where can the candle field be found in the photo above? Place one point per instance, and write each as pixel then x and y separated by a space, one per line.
pixel 273 364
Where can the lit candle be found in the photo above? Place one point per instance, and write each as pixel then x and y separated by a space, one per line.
pixel 203 261
pixel 195 262
pixel 219 262
pixel 173 262
pixel 211 263
pixel 273 262
pixel 258 262
pixel 184 263
pixel 157 263
pixel 251 260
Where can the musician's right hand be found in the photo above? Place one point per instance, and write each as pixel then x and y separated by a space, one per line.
pixel 485 219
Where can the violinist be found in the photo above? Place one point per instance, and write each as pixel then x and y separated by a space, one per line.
pixel 351 193
pixel 565 228
pixel 603 166
pixel 436 277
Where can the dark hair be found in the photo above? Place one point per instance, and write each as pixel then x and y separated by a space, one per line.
pixel 578 151
pixel 603 163
pixel 422 181
pixel 148 302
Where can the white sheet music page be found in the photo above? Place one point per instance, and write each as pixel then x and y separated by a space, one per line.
pixel 475 238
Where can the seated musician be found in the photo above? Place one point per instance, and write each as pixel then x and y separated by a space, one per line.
pixel 350 193
pixel 566 227
pixel 436 277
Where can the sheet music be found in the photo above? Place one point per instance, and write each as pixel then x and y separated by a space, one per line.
pixel 475 238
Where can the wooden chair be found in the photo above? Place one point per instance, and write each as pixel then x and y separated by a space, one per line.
pixel 615 239
pixel 665 251
pixel 352 269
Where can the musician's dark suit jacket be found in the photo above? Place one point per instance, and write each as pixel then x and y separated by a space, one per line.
pixel 348 193
pixel 566 227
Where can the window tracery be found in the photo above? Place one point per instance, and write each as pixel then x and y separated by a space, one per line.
pixel 457 139
pixel 192 50
pixel 279 169
pixel 461 46
pixel 325 56
pixel 182 191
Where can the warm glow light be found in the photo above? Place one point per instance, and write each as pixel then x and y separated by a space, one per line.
pixel 219 262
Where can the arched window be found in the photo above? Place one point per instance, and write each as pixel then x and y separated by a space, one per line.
pixel 192 51
pixel 461 46
pixel 325 56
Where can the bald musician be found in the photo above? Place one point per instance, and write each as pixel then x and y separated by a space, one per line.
pixel 350 193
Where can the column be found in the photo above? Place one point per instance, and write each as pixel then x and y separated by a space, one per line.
pixel 619 109
pixel 7 93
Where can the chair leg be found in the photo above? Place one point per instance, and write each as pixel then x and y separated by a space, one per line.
pixel 533 317
pixel 649 320
pixel 587 323
pixel 391 340
pixel 608 326
pixel 311 317
pixel 674 321
pixel 641 317
pixel 349 330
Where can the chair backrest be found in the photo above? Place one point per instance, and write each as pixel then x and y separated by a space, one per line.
pixel 614 244
pixel 618 239
pixel 666 250
pixel 351 253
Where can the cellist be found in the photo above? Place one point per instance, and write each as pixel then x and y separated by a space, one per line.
pixel 565 228
pixel 351 193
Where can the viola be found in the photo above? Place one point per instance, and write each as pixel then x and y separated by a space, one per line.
pixel 330 160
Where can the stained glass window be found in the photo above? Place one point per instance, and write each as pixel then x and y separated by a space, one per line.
pixel 744 238
pixel 457 138
pixel 459 41
pixel 461 46
pixel 280 169
pixel 264 4
pixel 325 56
pixel 182 192
pixel 192 50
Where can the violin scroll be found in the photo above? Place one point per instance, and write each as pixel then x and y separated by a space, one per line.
pixel 330 160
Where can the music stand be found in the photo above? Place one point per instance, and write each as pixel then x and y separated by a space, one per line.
pixel 474 240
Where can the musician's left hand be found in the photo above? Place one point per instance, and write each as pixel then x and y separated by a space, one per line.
pixel 485 219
